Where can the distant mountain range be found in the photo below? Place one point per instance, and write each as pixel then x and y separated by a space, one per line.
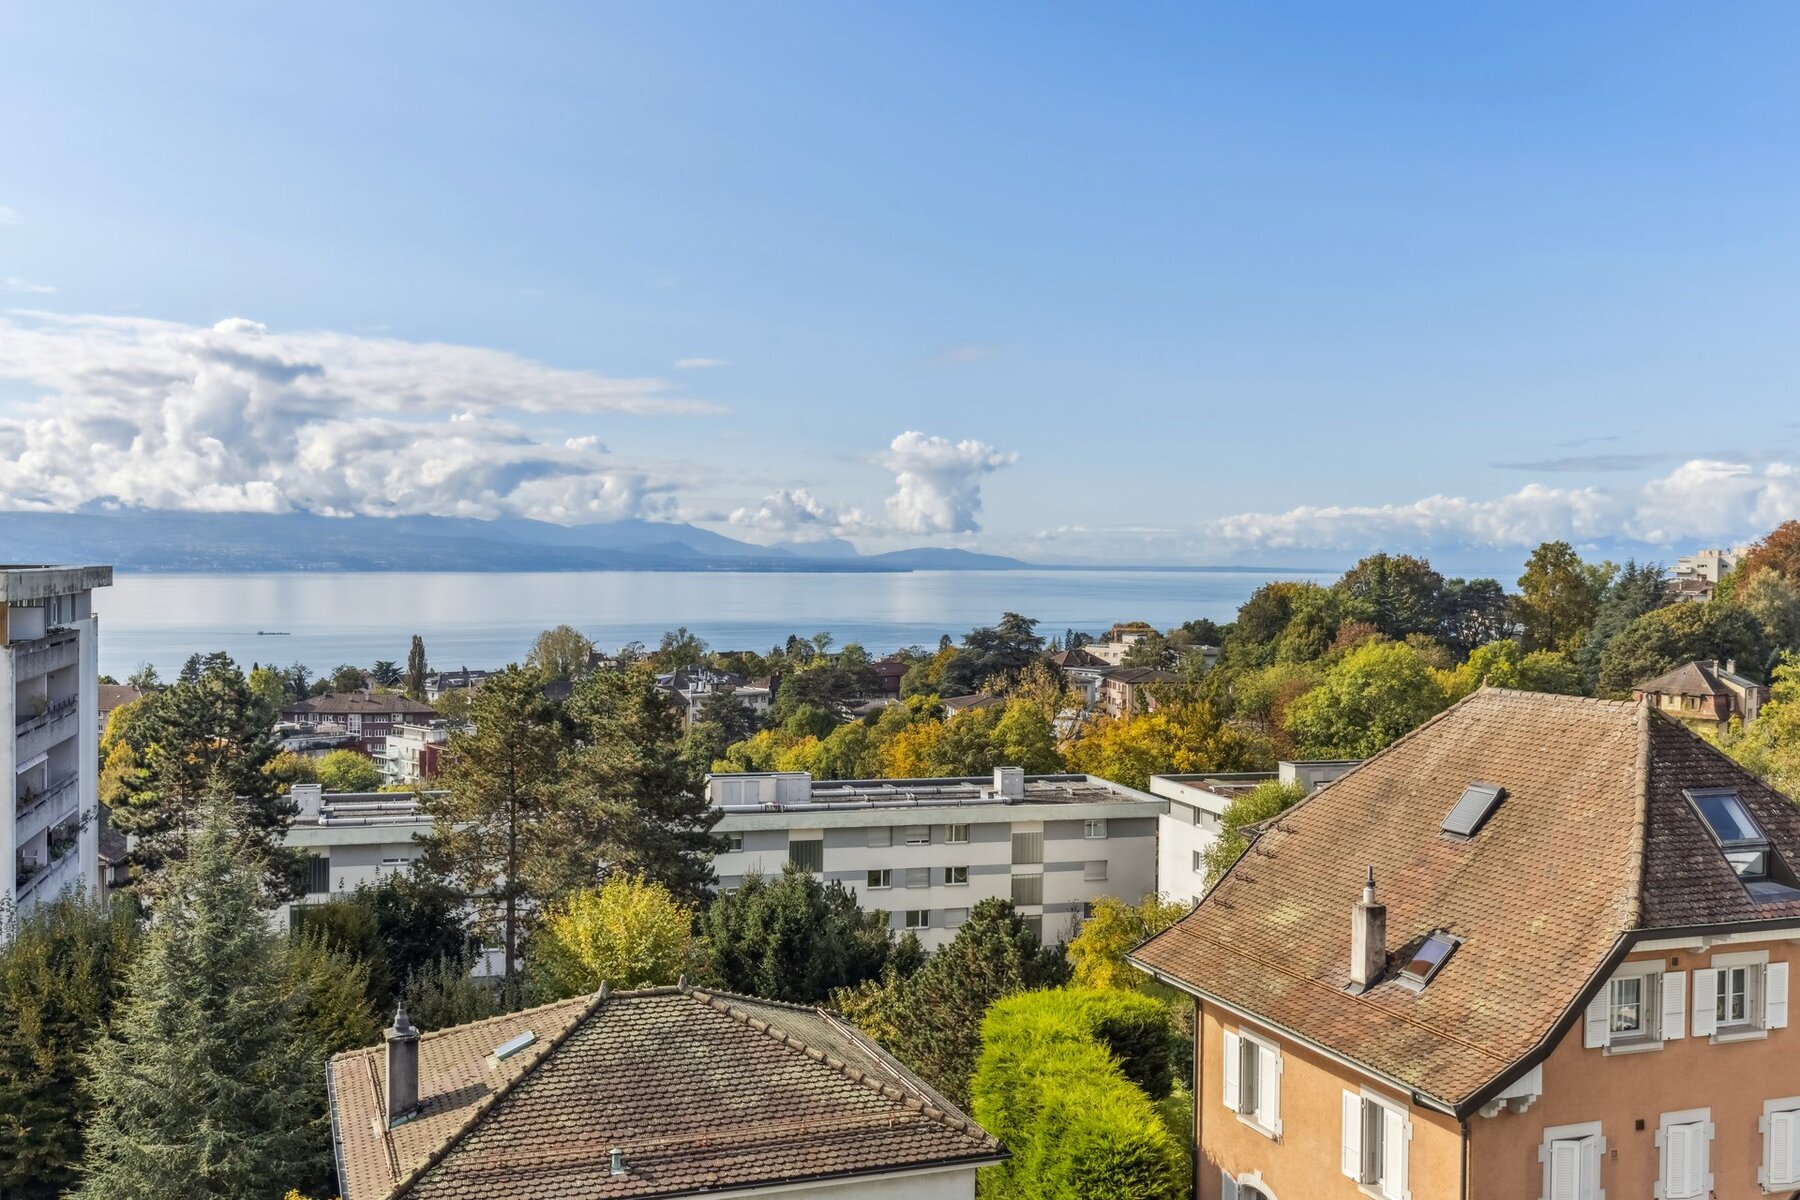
pixel 155 540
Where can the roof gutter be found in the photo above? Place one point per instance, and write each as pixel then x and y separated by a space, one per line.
pixel 337 1138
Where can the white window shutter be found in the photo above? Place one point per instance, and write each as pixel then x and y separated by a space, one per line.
pixel 1599 1019
pixel 1674 1006
pixel 1268 1088
pixel 1706 1003
pixel 1783 1151
pixel 1678 1159
pixel 1228 1187
pixel 1565 1169
pixel 1775 992
pixel 1352 1156
pixel 1393 1153
pixel 1232 1062
pixel 1591 1150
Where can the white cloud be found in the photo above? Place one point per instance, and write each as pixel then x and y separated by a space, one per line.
pixel 937 482
pixel 8 216
pixel 700 364
pixel 795 514
pixel 165 415
pixel 15 284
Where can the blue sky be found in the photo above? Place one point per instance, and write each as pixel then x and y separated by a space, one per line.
pixel 1137 282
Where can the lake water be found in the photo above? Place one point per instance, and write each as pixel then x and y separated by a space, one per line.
pixel 486 620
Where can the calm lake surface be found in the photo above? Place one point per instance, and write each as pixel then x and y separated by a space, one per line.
pixel 486 620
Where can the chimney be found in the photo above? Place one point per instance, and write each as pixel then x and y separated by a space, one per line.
pixel 1009 783
pixel 1368 938
pixel 308 798
pixel 402 1069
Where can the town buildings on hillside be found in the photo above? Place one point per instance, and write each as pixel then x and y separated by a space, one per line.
pixel 1539 947
pixel 1705 692
pixel 49 698
pixel 661 1092
pixel 926 850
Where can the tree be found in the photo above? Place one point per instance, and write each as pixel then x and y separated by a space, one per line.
pixel 1774 600
pixel 385 673
pixel 1267 799
pixel 1181 736
pixel 1778 551
pixel 679 649
pixel 208 731
pixel 62 968
pixel 1396 593
pixel 419 920
pixel 792 938
pixel 416 668
pixel 1637 589
pixel 348 678
pixel 1097 953
pixel 561 653
pixel 196 1084
pixel 1373 695
pixel 499 831
pixel 270 687
pixel 1505 664
pixel 286 769
pixel 348 771
pixel 443 993
pixel 1559 596
pixel 1474 612
pixel 1002 650
pixel 637 804
pixel 1662 640
pixel 628 933
pixel 1771 746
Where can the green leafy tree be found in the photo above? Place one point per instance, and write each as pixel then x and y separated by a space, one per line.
pixel 62 968
pixel 1097 953
pixel 1637 589
pixel 443 993
pixel 501 832
pixel 998 651
pixel 792 938
pixel 679 649
pixel 416 668
pixel 1473 612
pixel 1506 664
pixel 348 771
pixel 1774 600
pixel 348 678
pixel 208 731
pixel 270 687
pixel 628 933
pixel 1661 640
pixel 1373 695
pixel 1771 745
pixel 386 673
pixel 561 653
pixel 1181 736
pixel 1559 597
pixel 197 1082
pixel 1396 593
pixel 145 678
pixel 1268 799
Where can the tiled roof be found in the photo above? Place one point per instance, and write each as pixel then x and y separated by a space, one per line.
pixel 1076 657
pixel 1689 679
pixel 112 695
pixel 702 1092
pixel 1141 675
pixel 956 704
pixel 361 702
pixel 1592 841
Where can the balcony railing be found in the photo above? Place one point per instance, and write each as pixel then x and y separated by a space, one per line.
pixel 37 718
pixel 44 878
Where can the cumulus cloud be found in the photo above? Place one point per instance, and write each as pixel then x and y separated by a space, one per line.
pixel 795 514
pixel 237 417
pixel 937 482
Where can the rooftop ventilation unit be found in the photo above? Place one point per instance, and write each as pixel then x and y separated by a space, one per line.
pixel 1472 810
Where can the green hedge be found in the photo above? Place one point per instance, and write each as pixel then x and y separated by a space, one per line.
pixel 1066 1079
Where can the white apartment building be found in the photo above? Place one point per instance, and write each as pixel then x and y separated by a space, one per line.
pixel 1196 808
pixel 50 834
pixel 1709 565
pixel 411 752
pixel 926 850
pixel 347 839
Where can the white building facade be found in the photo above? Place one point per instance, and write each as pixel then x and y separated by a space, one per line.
pixel 927 850
pixel 50 834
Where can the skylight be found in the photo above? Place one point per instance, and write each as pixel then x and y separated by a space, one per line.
pixel 1428 959
pixel 1745 845
pixel 1473 809
pixel 506 1050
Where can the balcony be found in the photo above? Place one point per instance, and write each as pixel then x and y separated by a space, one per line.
pixel 39 809
pixel 57 649
pixel 38 717
pixel 39 731
pixel 41 881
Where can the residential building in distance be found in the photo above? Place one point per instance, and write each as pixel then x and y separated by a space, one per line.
pixel 1538 948
pixel 1705 693
pixel 1118 641
pixel 1195 819
pixel 1081 671
pixel 50 833
pixel 926 850
pixel 886 675
pixel 1696 576
pixel 464 680
pixel 1127 690
pixel 115 695
pixel 348 839
pixel 661 1092
pixel 955 706
pixel 366 716
pixel 692 687
pixel 413 752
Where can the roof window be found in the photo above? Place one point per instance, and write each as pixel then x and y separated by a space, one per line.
pixel 1472 809
pixel 1428 959
pixel 1745 845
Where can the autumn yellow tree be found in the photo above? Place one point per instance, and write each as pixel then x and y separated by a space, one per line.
pixel 1098 952
pixel 627 932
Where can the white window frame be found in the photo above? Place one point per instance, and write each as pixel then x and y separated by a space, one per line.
pixel 1094 829
pixel 1231 1187
pixel 884 874
pixel 1701 1117
pixel 1788 1107
pixel 1662 1010
pixel 956 835
pixel 1241 1047
pixel 1591 1155
pixel 1766 997
pixel 951 879
pixel 1378 1168
pixel 923 915
pixel 1199 862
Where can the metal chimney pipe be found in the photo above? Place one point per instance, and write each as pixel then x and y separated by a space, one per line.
pixel 402 1069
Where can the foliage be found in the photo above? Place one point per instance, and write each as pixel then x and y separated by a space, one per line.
pixel 1473 612
pixel 1267 799
pixel 1373 695
pixel 678 649
pixel 560 653
pixel 419 921
pixel 270 686
pixel 1774 600
pixel 1183 735
pixel 348 771
pixel 1770 747
pixel 61 971
pixel 386 673
pixel 1637 589
pixel 1061 1081
pixel 1778 551
pixel 416 668
pixel 288 768
pixel 197 1084
pixel 989 652
pixel 1398 594
pixel 627 932
pixel 1559 597
pixel 331 994
pixel 350 929
pixel 443 993
pixel 1506 664
pixel 792 938
pixel 1661 640
pixel 1097 953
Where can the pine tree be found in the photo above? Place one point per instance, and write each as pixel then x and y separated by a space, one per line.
pixel 415 669
pixel 205 1084
pixel 209 730
pixel 501 832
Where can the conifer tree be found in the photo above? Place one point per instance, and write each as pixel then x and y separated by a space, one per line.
pixel 415 668
pixel 205 1084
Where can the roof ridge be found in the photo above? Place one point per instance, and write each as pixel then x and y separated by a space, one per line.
pixel 364 1051
pixel 1640 819
pixel 482 1107
pixel 831 1062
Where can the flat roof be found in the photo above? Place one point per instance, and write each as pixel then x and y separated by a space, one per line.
pixel 27 581
pixel 955 791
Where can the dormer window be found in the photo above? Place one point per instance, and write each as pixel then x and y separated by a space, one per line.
pixel 1745 845
pixel 1428 960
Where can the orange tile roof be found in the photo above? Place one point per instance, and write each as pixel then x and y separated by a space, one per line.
pixel 1593 841
pixel 700 1091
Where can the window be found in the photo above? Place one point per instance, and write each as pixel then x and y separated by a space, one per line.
pixel 1428 959
pixel 918 918
pixel 1684 1141
pixel 1027 889
pixel 1745 845
pixel 1734 997
pixel 1377 1132
pixel 881 879
pixel 1199 862
pixel 918 877
pixel 1252 1079
pixel 1571 1155
pixel 734 841
pixel 807 855
pixel 918 835
pixel 316 874
pixel 1625 1004
pixel 1780 1128
pixel 1028 847
pixel 1094 829
pixel 1639 1008
pixel 956 835
pixel 1247 1188
pixel 1740 995
pixel 956 876
pixel 1094 872
pixel 954 917
pixel 1034 925
pixel 880 835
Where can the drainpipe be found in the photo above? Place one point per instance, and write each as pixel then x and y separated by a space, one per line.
pixel 1464 1123
pixel 1194 1091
